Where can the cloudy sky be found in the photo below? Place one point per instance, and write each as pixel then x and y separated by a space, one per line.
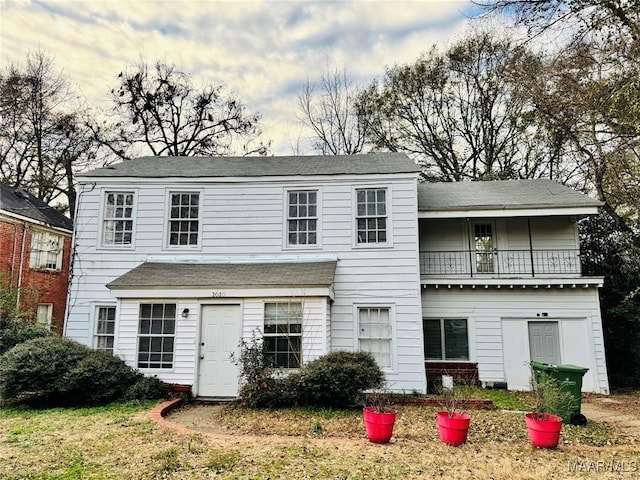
pixel 262 51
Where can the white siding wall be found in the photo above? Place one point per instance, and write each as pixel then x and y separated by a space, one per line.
pixel 247 219
pixel 497 322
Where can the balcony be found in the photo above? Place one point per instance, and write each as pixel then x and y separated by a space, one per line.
pixel 501 263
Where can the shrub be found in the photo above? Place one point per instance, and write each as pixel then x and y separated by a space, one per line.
pixel 14 330
pixel 35 371
pixel 260 389
pixel 54 371
pixel 98 378
pixel 337 379
pixel 148 388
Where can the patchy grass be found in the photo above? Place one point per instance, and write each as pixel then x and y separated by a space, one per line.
pixel 119 442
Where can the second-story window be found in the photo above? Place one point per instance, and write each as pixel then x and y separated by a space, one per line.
pixel 118 218
pixel 302 218
pixel 46 251
pixel 184 218
pixel 371 215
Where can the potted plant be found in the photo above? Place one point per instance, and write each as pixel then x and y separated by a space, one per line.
pixel 379 417
pixel 453 422
pixel 544 424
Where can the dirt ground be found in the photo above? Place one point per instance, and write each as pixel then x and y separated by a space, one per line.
pixel 622 411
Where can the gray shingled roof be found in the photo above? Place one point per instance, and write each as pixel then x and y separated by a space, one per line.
pixel 19 202
pixel 227 275
pixel 511 194
pixel 162 167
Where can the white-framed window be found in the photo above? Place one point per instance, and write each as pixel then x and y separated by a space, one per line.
pixel 446 339
pixel 371 219
pixel 184 219
pixel 156 335
pixel 484 247
pixel 104 329
pixel 374 333
pixel 302 218
pixel 283 333
pixel 44 314
pixel 46 250
pixel 118 219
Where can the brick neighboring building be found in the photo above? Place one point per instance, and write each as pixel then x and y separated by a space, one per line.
pixel 35 254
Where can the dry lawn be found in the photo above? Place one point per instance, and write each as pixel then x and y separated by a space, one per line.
pixel 120 442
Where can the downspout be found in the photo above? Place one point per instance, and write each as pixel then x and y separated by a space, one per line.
pixel 13 253
pixel 24 241
pixel 533 269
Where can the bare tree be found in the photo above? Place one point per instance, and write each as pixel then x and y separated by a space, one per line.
pixel 327 108
pixel 43 134
pixel 458 112
pixel 621 17
pixel 158 111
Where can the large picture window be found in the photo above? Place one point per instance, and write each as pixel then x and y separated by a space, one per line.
pixel 374 333
pixel 118 218
pixel 446 339
pixel 371 215
pixel 105 328
pixel 283 333
pixel 46 250
pixel 302 218
pixel 184 218
pixel 156 333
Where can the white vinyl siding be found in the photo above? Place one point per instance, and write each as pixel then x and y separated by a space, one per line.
pixel 495 343
pixel 118 219
pixel 243 220
pixel 46 251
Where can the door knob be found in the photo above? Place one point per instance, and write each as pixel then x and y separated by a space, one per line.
pixel 201 357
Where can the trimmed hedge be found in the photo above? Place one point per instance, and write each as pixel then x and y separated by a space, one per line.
pixel 55 371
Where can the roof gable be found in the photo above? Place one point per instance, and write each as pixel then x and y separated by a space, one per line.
pixel 18 202
pixel 195 167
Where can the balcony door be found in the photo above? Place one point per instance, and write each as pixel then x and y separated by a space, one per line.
pixel 484 250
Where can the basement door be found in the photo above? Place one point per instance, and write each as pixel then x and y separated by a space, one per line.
pixel 544 342
pixel 219 338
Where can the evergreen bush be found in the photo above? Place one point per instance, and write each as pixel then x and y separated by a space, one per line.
pixel 54 371
pixel 337 379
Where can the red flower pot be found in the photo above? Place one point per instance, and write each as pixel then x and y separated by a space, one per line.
pixel 379 425
pixel 453 427
pixel 544 429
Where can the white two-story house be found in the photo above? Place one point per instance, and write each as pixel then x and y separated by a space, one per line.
pixel 179 259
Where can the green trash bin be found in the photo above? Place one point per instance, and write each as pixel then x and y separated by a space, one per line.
pixel 569 378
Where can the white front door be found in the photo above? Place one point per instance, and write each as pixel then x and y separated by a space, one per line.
pixel 220 337
pixel 544 342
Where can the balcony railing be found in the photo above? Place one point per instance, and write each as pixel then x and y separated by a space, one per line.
pixel 465 263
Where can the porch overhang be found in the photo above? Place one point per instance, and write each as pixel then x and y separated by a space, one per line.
pixel 512 283
pixel 226 280
pixel 508 211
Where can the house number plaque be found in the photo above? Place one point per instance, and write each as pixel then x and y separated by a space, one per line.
pixel 218 294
